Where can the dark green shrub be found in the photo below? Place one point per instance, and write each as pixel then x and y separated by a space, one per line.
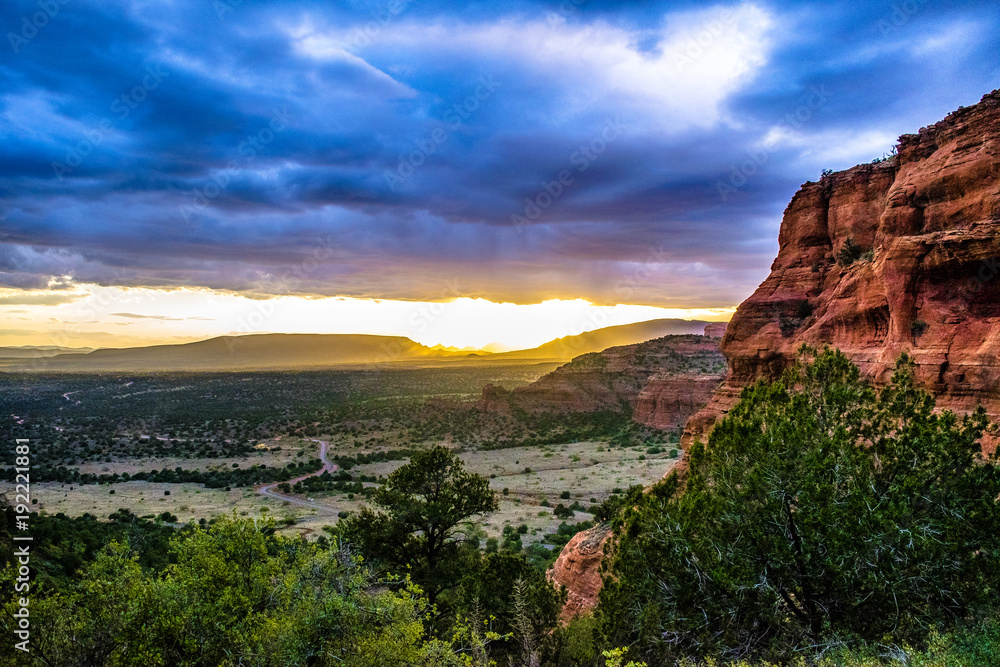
pixel 815 513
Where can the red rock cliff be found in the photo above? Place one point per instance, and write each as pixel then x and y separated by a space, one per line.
pixel 662 381
pixel 667 401
pixel 578 568
pixel 925 275
pixel 716 329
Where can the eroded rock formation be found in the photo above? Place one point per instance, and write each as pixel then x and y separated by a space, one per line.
pixel 578 568
pixel 902 255
pixel 716 329
pixel 667 401
pixel 662 382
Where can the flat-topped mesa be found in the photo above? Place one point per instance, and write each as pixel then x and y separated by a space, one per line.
pixel 901 255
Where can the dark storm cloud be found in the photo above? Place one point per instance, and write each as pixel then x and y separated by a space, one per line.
pixel 526 150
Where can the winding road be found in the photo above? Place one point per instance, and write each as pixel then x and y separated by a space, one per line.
pixel 268 490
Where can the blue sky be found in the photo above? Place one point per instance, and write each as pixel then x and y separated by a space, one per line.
pixel 522 150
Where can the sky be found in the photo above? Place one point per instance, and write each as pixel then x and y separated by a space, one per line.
pixel 464 173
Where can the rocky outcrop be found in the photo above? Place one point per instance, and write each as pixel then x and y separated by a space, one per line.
pixel 667 401
pixel 578 569
pixel 494 399
pixel 661 382
pixel 716 329
pixel 898 256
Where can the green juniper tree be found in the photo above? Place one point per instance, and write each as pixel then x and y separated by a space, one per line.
pixel 821 509
pixel 237 595
pixel 419 527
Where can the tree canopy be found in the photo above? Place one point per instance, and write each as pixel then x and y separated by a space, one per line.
pixel 419 527
pixel 236 594
pixel 821 510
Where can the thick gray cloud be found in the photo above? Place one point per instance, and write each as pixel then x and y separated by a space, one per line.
pixel 295 148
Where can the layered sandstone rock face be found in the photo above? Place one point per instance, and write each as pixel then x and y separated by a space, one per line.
pixel 667 401
pixel 925 278
pixel 662 382
pixel 578 568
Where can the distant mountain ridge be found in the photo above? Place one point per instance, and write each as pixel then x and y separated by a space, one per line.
pixel 39 351
pixel 258 351
pixel 598 340
pixel 296 351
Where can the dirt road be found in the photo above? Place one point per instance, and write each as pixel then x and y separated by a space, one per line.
pixel 268 490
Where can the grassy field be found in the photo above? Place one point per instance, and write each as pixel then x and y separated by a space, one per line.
pixel 216 423
pixel 532 476
pixel 281 451
pixel 589 471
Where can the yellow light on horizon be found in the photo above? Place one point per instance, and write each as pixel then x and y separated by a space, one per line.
pixel 95 316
